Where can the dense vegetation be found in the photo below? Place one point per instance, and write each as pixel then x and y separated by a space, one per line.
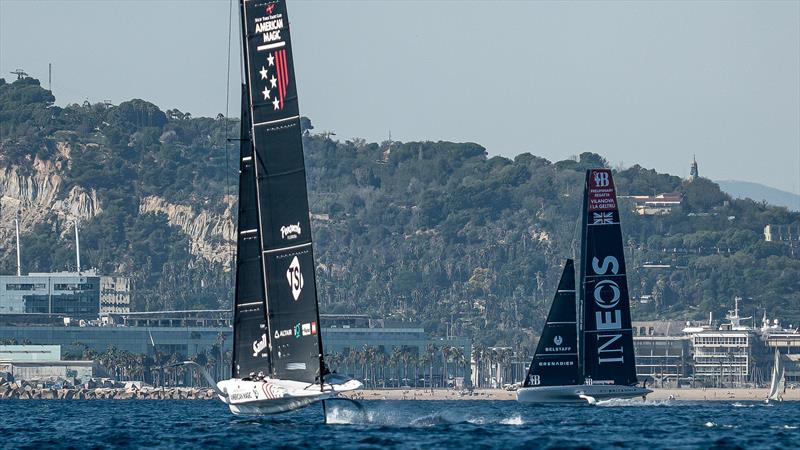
pixel 431 232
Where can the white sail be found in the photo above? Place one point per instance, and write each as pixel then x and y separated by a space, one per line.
pixel 778 383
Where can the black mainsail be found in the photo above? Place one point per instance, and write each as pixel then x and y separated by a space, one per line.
pixel 249 314
pixel 556 360
pixel 276 313
pixel 607 339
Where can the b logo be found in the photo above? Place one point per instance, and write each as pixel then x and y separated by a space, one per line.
pixel 601 179
pixel 295 278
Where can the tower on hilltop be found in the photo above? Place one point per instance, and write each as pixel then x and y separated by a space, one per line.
pixel 693 173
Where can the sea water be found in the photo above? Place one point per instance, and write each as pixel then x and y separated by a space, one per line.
pixel 400 424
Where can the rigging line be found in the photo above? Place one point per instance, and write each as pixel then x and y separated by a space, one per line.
pixel 226 125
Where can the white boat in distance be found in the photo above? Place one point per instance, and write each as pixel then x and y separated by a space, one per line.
pixel 587 357
pixel 777 384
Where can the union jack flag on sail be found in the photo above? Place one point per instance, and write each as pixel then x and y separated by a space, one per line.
pixel 602 218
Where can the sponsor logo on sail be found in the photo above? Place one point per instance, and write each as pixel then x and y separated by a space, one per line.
pixel 283 333
pixel 558 340
pixel 556 363
pixel 260 345
pixel 309 329
pixel 298 331
pixel 601 195
pixel 601 179
pixel 606 296
pixel 295 278
pixel 296 366
pixel 290 232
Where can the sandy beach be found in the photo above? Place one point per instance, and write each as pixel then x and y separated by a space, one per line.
pixel 499 394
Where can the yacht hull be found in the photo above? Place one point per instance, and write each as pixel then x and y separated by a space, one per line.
pixel 273 396
pixel 578 393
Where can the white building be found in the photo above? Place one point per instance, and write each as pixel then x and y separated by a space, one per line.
pixel 723 356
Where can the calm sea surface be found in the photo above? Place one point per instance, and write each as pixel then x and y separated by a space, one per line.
pixel 400 424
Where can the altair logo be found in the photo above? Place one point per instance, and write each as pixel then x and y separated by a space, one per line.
pixel 295 278
pixel 557 340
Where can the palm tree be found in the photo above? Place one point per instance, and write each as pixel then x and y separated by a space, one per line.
pixel 220 342
pixel 431 351
pixel 406 357
pixel 478 354
pixel 457 353
pixel 446 351
pixel 397 356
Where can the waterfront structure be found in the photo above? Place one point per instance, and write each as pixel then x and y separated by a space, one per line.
pixel 81 295
pixel 355 342
pixel 36 362
pixel 663 353
pixel 787 343
pixel 722 357
pixel 726 356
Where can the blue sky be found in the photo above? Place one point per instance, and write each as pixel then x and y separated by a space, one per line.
pixel 651 83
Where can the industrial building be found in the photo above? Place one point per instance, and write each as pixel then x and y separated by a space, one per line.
pixel 73 294
pixel 663 353
pixel 39 362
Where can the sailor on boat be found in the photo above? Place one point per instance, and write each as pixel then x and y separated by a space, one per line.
pixel 589 356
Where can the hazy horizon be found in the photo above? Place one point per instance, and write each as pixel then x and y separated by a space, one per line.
pixel 639 83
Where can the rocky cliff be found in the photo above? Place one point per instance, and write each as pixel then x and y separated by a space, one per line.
pixel 38 193
pixel 212 234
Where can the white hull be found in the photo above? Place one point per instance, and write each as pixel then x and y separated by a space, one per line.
pixel 578 393
pixel 273 396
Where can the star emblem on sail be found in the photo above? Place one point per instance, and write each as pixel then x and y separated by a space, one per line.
pixel 278 63
pixel 602 218
pixel 295 278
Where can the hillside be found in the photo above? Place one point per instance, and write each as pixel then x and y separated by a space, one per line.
pixel 759 192
pixel 431 232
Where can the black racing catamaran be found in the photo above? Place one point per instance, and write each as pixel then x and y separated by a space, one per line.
pixel 278 361
pixel 586 353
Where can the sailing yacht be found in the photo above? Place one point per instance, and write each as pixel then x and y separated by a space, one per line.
pixel 777 384
pixel 585 353
pixel 278 363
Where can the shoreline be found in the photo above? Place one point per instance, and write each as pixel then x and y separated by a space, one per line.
pixel 199 393
pixel 658 394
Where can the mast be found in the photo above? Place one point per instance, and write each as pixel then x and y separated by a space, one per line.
pixel 77 248
pixel 607 350
pixel 16 225
pixel 273 174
